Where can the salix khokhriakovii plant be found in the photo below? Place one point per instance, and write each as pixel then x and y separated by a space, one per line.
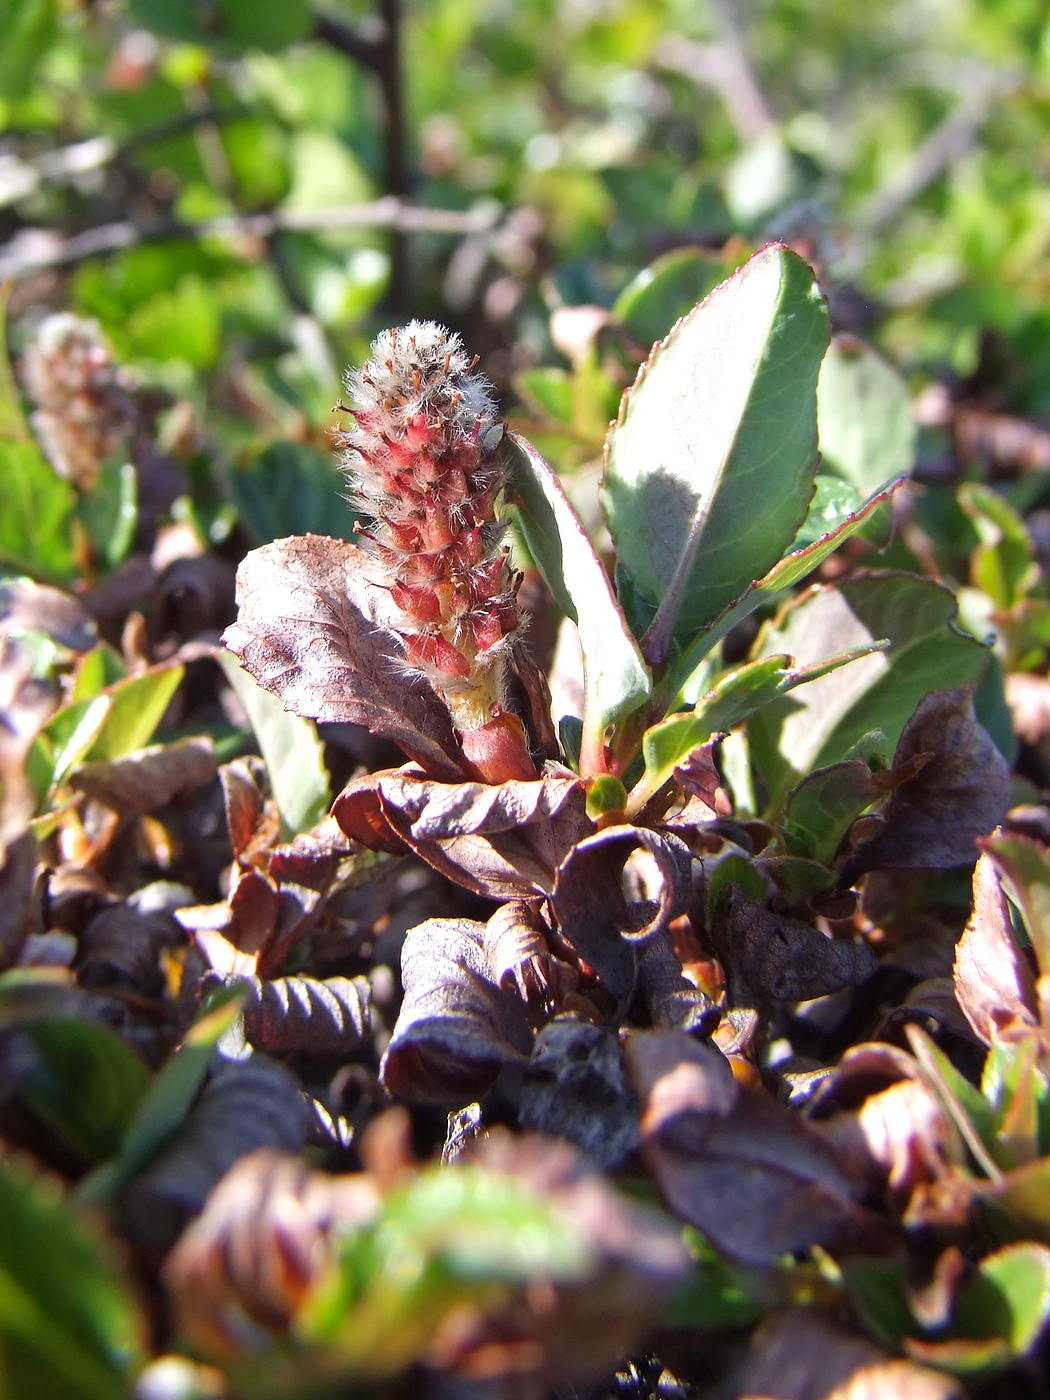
pixel 607 840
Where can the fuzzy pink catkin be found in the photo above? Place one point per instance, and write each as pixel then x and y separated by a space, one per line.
pixel 424 464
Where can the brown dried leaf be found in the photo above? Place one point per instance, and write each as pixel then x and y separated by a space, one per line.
pixel 253 823
pixel 456 1028
pixel 673 1002
pixel 502 841
pixel 245 1265
pixel 576 1088
pixel 521 960
pixel 143 781
pixel 994 984
pixel 305 1015
pixel 243 1106
pixel 121 945
pixel 755 1178
pixel 799 1355
pixel 593 912
pixel 311 629
pixel 234 935
pixel 772 960
pixel 932 820
pixel 36 607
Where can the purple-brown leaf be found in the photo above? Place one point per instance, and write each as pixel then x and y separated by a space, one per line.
pixel 457 1027
pixel 593 911
pixel 993 979
pixel 314 631
pixel 143 781
pixel 503 841
pixel 932 820
pixel 306 1015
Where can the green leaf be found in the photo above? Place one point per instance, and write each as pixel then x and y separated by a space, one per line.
pixel 109 511
pixel 293 753
pixel 1007 1300
pixel 1003 565
pixel 68 1325
pixel 616 681
pixel 1019 1095
pixel 169 1097
pixel 724 408
pixel 36 508
pixel 782 576
pixel 546 391
pixel 27 29
pixel 667 290
pixel 834 502
pixel 928 651
pixel 85 1082
pixel 136 707
pixel 291 489
pixel 228 25
pixel 824 806
pixel 962 1102
pixel 72 731
pixel 867 429
pixel 876 1288
pixel 736 696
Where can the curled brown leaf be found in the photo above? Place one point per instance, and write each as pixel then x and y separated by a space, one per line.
pixel 143 781
pixel 994 984
pixel 311 629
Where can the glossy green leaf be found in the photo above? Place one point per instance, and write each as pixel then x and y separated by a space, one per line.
pixel 928 651
pixel 735 697
pixel 961 1101
pixel 137 706
pixel 824 806
pixel 36 508
pixel 291 489
pixel 723 409
pixel 787 572
pixel 1020 1094
pixel 864 414
pixel 667 290
pixel 68 1323
pixel 547 391
pixel 616 681
pixel 1008 1299
pixel 85 1082
pixel 834 502
pixel 293 753
pixel 72 731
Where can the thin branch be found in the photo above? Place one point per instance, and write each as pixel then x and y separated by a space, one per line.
pixel 363 46
pixel 21 176
pixel 947 142
pixel 34 249
pixel 723 65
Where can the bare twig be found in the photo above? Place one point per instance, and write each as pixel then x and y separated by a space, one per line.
pixel 21 175
pixel 951 139
pixel 34 249
pixel 723 65
pixel 362 45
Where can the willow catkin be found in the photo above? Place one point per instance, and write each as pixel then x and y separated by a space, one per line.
pixel 424 465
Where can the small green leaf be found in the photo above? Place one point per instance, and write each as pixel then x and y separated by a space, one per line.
pixel 36 508
pixel 782 576
pixel 291 489
pixel 834 502
pixel 961 1100
pixel 28 28
pixel 72 731
pixel 68 1323
pixel 1008 1299
pixel 547 391
pixel 293 753
pixel 735 697
pixel 824 806
pixel 13 425
pixel 1020 1092
pixel 928 651
pixel 616 681
pixel 667 290
pixel 725 406
pixel 1003 565
pixel 867 429
pixel 136 707
pixel 109 511
pixel 85 1082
